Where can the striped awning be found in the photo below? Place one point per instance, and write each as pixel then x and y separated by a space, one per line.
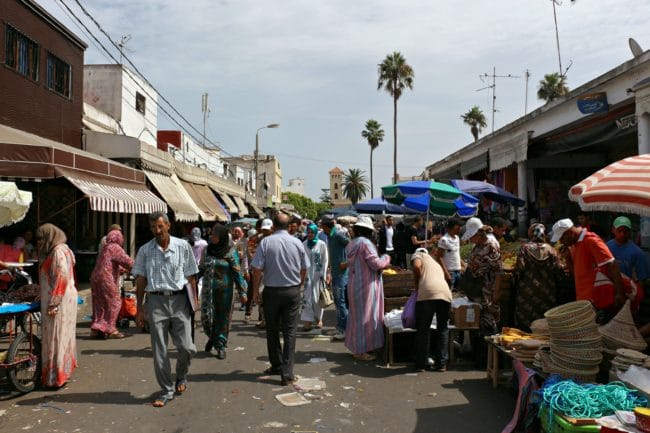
pixel 260 213
pixel 623 186
pixel 227 201
pixel 111 195
pixel 175 195
pixel 206 201
pixel 243 210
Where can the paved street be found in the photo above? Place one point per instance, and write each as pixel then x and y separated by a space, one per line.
pixel 114 385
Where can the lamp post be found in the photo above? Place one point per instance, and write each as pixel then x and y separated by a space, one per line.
pixel 257 152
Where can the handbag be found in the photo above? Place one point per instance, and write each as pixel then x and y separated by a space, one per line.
pixel 325 298
pixel 471 285
pixel 408 314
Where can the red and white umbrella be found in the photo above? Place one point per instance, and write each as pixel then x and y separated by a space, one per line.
pixel 623 186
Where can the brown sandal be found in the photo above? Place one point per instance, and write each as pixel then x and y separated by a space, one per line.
pixel 115 335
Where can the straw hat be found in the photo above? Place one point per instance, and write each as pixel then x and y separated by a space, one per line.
pixel 622 331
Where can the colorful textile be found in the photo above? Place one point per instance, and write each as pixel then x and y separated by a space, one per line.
pixel 104 283
pixel 536 280
pixel 485 260
pixel 221 275
pixel 365 323
pixel 315 281
pixel 59 347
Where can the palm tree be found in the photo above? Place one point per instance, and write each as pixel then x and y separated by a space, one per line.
pixel 475 119
pixel 356 185
pixel 375 135
pixel 552 87
pixel 395 75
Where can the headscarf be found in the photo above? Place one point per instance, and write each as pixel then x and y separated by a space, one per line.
pixel 115 237
pixel 195 235
pixel 220 249
pixel 311 243
pixel 50 236
pixel 537 232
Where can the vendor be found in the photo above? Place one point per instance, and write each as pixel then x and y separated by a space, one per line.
pixel 536 279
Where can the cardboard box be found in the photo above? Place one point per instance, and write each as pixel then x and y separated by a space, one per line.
pixel 467 316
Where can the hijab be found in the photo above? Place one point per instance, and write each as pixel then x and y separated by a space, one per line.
pixel 537 232
pixel 115 237
pixel 50 236
pixel 220 249
pixel 311 243
pixel 537 248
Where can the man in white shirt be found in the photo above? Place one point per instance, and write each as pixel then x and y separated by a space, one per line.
pixel 386 238
pixel 448 253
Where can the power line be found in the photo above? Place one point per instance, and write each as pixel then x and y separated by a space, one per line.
pixel 301 157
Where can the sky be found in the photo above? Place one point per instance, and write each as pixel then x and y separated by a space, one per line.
pixel 312 67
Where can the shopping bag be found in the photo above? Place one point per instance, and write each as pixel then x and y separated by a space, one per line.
pixel 408 314
pixel 325 298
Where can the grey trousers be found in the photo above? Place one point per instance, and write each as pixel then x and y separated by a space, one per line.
pixel 170 315
pixel 281 312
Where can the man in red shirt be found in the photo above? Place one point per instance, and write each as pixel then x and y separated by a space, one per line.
pixel 588 253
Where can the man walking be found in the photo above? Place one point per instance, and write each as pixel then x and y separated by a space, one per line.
pixel 282 261
pixel 336 243
pixel 164 270
pixel 448 253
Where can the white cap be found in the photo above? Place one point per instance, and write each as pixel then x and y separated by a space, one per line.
pixel 472 226
pixel 364 221
pixel 559 228
pixel 267 224
pixel 421 250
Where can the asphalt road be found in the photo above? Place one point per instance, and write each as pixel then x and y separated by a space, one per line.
pixel 112 390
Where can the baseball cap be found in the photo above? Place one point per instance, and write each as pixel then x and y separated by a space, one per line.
pixel 622 221
pixel 472 226
pixel 559 228
pixel 267 224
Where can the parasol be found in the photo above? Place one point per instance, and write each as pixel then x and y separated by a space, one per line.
pixel 380 205
pixel 623 186
pixel 14 203
pixel 488 190
pixel 439 198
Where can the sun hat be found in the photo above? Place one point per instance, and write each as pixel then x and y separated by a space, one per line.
pixel 622 221
pixel 559 228
pixel 267 224
pixel 472 226
pixel 622 332
pixel 364 221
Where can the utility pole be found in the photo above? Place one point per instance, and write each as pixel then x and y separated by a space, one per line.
pixel 206 112
pixel 526 76
pixel 557 37
pixel 122 44
pixel 493 86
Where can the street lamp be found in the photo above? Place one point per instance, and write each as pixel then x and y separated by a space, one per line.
pixel 257 151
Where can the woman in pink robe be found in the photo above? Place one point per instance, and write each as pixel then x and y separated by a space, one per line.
pixel 105 288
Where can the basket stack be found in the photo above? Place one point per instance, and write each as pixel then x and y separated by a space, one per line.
pixel 575 343
pixel 621 332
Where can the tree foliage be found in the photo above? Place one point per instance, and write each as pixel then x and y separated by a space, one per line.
pixel 553 86
pixel 355 185
pixel 304 205
pixel 475 119
pixel 374 135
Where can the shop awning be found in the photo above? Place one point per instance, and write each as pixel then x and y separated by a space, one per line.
pixel 260 213
pixel 243 209
pixel 512 149
pixel 206 201
pixel 111 195
pixel 474 164
pixel 227 201
pixel 175 195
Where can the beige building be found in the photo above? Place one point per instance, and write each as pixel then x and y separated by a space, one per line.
pixel 337 178
pixel 269 180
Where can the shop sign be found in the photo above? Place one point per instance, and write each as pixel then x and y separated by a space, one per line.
pixel 626 121
pixel 593 103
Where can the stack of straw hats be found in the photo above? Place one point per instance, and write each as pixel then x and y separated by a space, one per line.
pixel 621 332
pixel 626 357
pixel 575 349
pixel 540 327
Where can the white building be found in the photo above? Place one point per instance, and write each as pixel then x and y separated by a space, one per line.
pixel 296 186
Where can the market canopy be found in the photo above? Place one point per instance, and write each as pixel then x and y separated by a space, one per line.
pixel 379 205
pixel 175 196
pixel 14 203
pixel 492 192
pixel 623 186
pixel 441 198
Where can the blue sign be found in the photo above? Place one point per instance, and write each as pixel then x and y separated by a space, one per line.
pixel 593 103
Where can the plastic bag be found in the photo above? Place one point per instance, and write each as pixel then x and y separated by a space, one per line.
pixel 408 315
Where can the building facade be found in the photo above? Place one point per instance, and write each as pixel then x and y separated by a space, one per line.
pixel 337 179
pixel 296 186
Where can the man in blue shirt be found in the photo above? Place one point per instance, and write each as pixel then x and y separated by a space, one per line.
pixel 336 243
pixel 630 258
pixel 283 262
pixel 165 269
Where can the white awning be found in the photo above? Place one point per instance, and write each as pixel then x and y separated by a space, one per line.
pixel 243 210
pixel 176 196
pixel 113 196
pixel 227 201
pixel 512 149
pixel 207 202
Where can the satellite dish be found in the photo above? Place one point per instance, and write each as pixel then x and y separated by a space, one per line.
pixel 635 47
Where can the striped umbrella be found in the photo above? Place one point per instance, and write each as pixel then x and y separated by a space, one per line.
pixel 623 186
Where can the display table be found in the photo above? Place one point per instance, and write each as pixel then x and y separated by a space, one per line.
pixel 494 372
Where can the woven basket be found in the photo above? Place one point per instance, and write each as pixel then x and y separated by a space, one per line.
pixel 568 310
pixel 590 357
pixel 588 333
pixel 579 319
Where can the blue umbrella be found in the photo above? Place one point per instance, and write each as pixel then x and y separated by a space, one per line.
pixel 379 205
pixel 466 204
pixel 488 190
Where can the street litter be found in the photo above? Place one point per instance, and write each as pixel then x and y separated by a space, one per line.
pixel 310 384
pixel 345 405
pixel 327 394
pixel 256 397
pixel 275 424
pixel 317 360
pixel 432 394
pixel 411 374
pixel 237 349
pixel 322 338
pixel 292 399
pixel 2 412
pixel 348 387
pixel 58 409
pixel 312 396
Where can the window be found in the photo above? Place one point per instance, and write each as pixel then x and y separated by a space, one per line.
pixel 140 102
pixel 336 186
pixel 336 196
pixel 21 53
pixel 59 75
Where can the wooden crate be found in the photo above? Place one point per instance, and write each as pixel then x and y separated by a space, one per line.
pixel 398 285
pixel 394 303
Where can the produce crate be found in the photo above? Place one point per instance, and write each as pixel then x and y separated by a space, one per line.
pixel 398 285
pixel 394 303
pixel 559 425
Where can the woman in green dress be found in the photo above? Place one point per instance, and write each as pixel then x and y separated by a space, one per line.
pixel 222 272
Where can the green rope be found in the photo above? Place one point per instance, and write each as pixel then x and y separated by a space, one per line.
pixel 588 400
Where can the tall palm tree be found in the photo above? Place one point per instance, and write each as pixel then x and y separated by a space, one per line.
pixel 375 135
pixel 552 87
pixel 395 75
pixel 475 119
pixel 356 185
